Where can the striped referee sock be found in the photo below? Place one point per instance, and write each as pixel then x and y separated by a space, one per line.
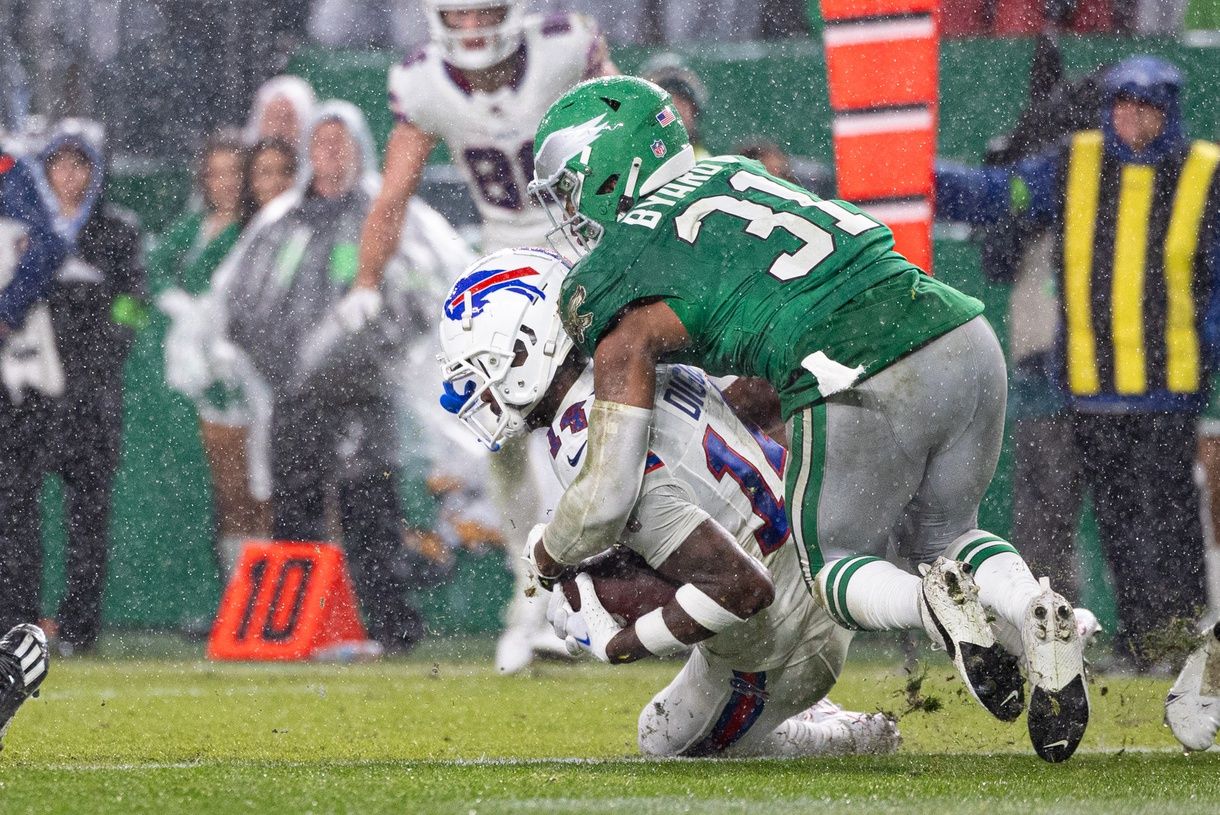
pixel 1006 585
pixel 864 593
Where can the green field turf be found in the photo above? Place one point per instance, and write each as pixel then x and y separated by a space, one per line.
pixel 447 736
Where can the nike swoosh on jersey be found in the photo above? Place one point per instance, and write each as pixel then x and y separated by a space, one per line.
pixel 573 459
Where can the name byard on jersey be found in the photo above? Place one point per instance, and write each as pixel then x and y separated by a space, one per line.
pixel 674 191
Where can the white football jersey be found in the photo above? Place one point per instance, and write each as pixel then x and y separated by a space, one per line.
pixel 491 135
pixel 702 456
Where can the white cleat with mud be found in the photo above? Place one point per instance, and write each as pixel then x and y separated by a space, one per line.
pixel 956 621
pixel 1054 658
pixel 1192 708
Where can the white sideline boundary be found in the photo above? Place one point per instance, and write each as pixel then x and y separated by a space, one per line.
pixel 571 761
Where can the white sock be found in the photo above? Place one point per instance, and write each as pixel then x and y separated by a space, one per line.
pixel 866 593
pixel 1006 585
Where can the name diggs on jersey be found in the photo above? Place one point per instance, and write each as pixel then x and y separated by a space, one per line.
pixel 686 390
pixel 646 213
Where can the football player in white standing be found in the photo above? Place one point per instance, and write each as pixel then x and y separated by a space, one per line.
pixel 709 518
pixel 481 85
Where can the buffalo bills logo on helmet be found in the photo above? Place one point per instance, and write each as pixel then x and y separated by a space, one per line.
pixel 479 285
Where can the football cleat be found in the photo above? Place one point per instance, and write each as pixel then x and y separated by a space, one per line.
pixel 1054 656
pixel 514 653
pixel 821 710
pixel 848 733
pixel 24 659
pixel 1192 708
pixel 955 620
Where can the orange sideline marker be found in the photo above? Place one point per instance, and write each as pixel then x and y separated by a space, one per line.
pixel 284 602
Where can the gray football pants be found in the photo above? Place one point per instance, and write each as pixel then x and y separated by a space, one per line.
pixel 904 457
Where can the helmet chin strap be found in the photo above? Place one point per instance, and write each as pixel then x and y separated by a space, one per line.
pixel 628 198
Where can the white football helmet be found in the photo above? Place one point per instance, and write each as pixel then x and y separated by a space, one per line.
pixel 498 40
pixel 503 309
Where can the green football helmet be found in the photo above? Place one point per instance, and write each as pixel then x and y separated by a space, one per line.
pixel 601 147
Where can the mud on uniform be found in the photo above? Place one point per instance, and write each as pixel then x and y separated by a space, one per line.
pixel 739 685
pixel 890 379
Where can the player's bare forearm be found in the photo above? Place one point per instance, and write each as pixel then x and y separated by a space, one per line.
pixel 405 155
pixel 756 402
pixel 382 231
pixel 625 361
pixel 711 561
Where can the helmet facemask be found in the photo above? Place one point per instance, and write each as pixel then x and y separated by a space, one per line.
pixel 500 39
pixel 572 232
pixel 501 355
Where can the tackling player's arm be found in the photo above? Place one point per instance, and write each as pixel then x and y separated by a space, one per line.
pixel 755 402
pixel 405 156
pixel 726 587
pixel 593 511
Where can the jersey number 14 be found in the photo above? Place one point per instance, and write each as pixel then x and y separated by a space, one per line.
pixel 762 221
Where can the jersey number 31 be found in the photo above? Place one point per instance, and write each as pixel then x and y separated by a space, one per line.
pixel 762 221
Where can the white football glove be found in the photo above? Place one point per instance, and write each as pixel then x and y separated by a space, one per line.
pixel 558 612
pixel 357 308
pixel 591 628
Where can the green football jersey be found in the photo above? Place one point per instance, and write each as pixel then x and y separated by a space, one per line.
pixel 768 279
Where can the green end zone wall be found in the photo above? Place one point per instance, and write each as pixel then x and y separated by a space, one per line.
pixel 162 572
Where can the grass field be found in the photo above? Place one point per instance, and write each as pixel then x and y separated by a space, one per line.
pixel 440 734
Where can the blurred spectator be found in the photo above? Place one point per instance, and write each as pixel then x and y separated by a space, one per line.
pixel 1138 206
pixel 97 304
pixel 1047 487
pixel 802 171
pixel 181 265
pixel 367 23
pixel 14 85
pixel 332 419
pixel 30 377
pixel 1159 16
pixel 687 89
pixel 271 167
pixel 1026 17
pixel 282 107
pixel 378 23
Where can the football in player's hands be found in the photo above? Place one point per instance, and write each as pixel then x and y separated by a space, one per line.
pixel 626 585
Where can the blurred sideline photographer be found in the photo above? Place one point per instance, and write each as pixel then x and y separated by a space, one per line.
pixel 1136 204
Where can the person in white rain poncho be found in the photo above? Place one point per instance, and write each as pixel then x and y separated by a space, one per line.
pixel 283 106
pixel 323 398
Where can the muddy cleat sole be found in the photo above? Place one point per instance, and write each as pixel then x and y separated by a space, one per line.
pixel 1054 658
pixel 1192 708
pixel 24 659
pixel 956 621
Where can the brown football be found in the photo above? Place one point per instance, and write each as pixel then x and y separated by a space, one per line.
pixel 626 585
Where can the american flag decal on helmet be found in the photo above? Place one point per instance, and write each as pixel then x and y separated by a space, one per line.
pixel 478 286
pixel 666 117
